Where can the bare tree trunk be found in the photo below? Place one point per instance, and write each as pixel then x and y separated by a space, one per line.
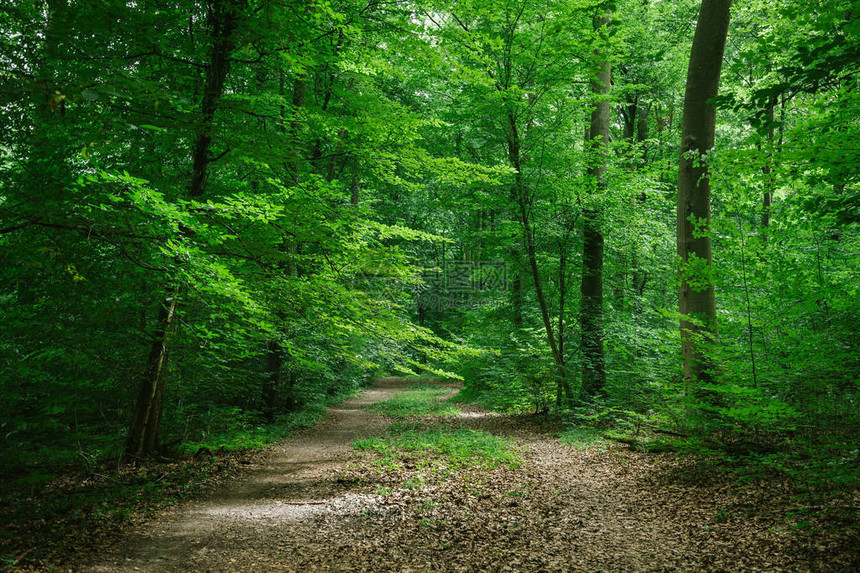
pixel 640 277
pixel 224 19
pixel 591 288
pixel 696 294
pixel 143 435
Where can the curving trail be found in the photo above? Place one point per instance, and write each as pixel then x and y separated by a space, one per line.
pixel 247 521
pixel 313 504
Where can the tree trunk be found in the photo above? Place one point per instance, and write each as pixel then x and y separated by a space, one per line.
pixel 591 288
pixel 517 299
pixel 531 251
pixel 767 196
pixel 272 383
pixel 273 386
pixel 354 184
pixel 562 298
pixel 300 88
pixel 635 117
pixel 696 294
pixel 519 196
pixel 640 276
pixel 224 19
pixel 143 436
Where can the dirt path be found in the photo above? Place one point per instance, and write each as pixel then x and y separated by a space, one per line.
pixel 315 505
pixel 245 525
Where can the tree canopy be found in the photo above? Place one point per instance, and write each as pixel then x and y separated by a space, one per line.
pixel 221 214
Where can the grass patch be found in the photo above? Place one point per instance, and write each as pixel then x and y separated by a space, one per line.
pixel 422 399
pixel 454 447
pixel 428 385
pixel 251 431
pixel 583 438
pixel 427 377
pixel 492 401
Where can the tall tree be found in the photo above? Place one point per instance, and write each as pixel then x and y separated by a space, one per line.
pixel 591 288
pixel 143 435
pixel 697 301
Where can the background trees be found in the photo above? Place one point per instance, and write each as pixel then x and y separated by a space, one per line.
pixel 253 206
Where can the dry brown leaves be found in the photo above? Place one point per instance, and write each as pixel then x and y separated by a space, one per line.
pixel 601 509
pixel 566 510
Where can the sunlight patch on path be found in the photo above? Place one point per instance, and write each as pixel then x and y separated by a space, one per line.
pixel 476 415
pixel 291 511
pixel 299 482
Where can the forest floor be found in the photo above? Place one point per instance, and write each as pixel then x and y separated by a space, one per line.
pixel 314 503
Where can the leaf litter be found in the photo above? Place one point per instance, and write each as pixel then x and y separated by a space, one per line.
pixel 313 503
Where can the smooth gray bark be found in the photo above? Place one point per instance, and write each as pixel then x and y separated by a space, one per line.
pixel 697 302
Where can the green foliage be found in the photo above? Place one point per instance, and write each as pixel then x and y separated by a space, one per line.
pixel 454 447
pixel 513 379
pixel 97 225
pixel 422 399
pixel 232 429
pixel 371 177
pixel 583 438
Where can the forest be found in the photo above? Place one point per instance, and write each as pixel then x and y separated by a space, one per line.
pixel 634 217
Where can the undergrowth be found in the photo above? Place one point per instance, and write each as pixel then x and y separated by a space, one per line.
pixel 422 399
pixel 508 402
pixel 41 522
pixel 450 446
pixel 53 494
pixel 583 438
pixel 253 431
